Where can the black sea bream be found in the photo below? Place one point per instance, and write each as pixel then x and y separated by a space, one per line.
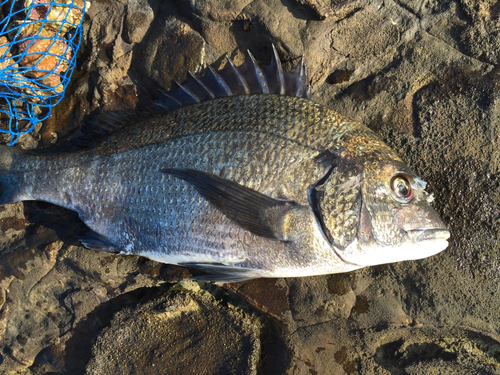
pixel 242 174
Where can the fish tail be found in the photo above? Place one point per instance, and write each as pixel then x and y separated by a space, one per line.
pixel 8 185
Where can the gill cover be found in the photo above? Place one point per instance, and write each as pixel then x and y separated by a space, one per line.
pixel 336 202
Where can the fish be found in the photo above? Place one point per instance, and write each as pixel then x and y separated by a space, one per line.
pixel 241 174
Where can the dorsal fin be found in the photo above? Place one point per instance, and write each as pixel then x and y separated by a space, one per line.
pixel 248 78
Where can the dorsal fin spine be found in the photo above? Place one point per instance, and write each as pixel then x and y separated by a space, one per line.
pixel 169 96
pixel 279 72
pixel 307 92
pixel 188 92
pixel 238 74
pixel 222 84
pixel 302 79
pixel 202 85
pixel 261 78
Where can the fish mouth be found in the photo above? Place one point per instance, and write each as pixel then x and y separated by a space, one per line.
pixel 419 243
pixel 430 234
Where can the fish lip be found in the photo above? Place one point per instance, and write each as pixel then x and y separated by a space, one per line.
pixel 430 234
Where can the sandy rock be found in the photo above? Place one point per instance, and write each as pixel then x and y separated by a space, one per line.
pixel 155 63
pixel 140 15
pixel 216 11
pixel 336 9
pixel 481 38
pixel 174 331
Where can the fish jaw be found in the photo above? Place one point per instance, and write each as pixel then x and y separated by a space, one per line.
pixel 428 242
pixel 420 244
pixel 426 233
pixel 423 232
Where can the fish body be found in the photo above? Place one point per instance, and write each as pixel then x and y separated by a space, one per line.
pixel 262 184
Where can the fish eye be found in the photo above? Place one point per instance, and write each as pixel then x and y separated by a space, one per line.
pixel 401 188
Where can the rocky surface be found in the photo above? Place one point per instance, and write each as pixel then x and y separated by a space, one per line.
pixel 424 74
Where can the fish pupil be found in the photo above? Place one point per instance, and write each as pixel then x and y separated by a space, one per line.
pixel 402 187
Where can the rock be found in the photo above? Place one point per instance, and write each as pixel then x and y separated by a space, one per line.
pixel 216 10
pixel 140 15
pixel 420 350
pixel 268 295
pixel 106 19
pixel 154 63
pixel 179 332
pixel 481 37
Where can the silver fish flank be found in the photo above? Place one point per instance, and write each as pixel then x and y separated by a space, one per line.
pixel 241 174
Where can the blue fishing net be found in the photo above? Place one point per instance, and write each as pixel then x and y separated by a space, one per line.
pixel 38 44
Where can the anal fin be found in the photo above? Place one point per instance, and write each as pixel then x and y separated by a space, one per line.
pixel 221 274
pixel 94 241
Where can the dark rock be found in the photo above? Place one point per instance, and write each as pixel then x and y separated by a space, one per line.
pixel 216 10
pixel 482 36
pixel 140 15
pixel 152 61
pixel 268 295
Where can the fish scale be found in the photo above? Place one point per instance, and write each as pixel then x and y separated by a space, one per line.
pixel 262 184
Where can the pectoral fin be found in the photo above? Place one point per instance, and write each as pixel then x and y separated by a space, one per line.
pixel 251 210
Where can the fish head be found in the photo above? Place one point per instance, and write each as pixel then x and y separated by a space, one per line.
pixel 380 214
pixel 397 221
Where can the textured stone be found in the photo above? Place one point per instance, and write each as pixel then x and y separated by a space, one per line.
pixel 179 332
pixel 140 15
pixel 217 10
pixel 154 62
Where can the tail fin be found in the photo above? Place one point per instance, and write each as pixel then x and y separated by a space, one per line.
pixel 8 183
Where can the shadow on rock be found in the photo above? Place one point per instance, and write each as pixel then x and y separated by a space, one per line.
pixel 77 352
